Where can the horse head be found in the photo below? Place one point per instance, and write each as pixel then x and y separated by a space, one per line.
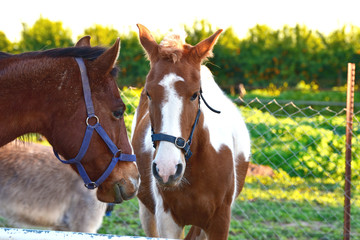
pixel 172 90
pixel 121 181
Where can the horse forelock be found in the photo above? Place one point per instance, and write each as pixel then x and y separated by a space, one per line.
pixel 173 40
pixel 173 47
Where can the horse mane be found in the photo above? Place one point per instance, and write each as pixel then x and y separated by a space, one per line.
pixel 172 47
pixel 4 55
pixel 89 53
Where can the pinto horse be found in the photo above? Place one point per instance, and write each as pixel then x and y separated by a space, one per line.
pixel 192 158
pixel 65 94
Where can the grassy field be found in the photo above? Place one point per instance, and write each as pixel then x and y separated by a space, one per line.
pixel 292 203
pixel 278 207
pixel 283 206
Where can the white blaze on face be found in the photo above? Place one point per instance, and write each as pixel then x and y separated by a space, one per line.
pixel 168 155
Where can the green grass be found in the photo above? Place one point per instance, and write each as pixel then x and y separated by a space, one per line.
pixel 285 220
pixel 124 220
pixel 269 208
pixel 284 206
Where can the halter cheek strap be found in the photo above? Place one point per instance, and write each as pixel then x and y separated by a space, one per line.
pixel 180 142
pixel 117 154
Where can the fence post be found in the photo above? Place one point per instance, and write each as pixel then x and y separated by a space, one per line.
pixel 349 122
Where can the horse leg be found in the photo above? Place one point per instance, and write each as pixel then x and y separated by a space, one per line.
pixel 148 221
pixel 196 233
pixel 219 225
pixel 166 225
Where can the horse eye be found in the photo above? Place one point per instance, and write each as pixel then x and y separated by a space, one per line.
pixel 147 94
pixel 118 113
pixel 194 96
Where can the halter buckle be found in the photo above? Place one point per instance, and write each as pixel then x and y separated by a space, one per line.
pixel 180 142
pixel 118 153
pixel 91 185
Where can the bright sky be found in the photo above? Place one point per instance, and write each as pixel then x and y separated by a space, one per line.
pixel 162 15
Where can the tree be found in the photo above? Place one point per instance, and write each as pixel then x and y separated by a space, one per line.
pixel 257 54
pixel 44 34
pixel 103 36
pixel 199 31
pixel 225 64
pixel 5 44
pixel 281 57
pixel 340 47
pixel 133 63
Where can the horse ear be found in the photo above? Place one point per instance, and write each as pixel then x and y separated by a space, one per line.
pixel 148 42
pixel 83 42
pixel 106 61
pixel 204 48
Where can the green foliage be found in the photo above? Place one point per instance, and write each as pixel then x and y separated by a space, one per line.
pixel 133 63
pixel 285 207
pixel 309 147
pixel 294 54
pixel 282 57
pixel 101 36
pixel 198 32
pixel 124 220
pixel 44 34
pixel 299 94
pixel 5 44
pixel 131 97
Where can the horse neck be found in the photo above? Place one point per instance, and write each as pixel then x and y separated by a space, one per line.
pixel 211 125
pixel 29 91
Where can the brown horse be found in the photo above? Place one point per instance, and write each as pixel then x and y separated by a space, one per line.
pixel 39 191
pixel 192 158
pixel 42 92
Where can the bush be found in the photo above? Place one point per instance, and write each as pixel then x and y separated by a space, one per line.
pixel 307 147
pixel 301 145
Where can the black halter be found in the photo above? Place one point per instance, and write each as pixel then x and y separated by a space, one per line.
pixel 180 142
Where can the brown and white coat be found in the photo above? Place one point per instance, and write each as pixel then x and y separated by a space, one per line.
pixel 198 192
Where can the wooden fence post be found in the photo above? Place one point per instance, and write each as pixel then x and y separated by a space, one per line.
pixel 349 122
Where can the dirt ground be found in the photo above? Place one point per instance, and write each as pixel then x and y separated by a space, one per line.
pixel 259 170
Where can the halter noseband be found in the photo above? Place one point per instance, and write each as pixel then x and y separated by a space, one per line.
pixel 180 142
pixel 117 154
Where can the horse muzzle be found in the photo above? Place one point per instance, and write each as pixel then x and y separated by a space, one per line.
pixel 166 179
pixel 126 189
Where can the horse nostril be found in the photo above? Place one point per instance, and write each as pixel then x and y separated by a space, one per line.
pixel 179 169
pixel 155 170
pixel 168 180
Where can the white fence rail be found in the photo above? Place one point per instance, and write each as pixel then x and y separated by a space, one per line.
pixel 30 234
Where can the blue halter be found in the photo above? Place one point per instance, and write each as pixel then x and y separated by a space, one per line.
pixel 117 154
pixel 180 142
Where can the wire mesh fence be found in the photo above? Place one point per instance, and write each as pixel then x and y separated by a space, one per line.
pixel 306 149
pixel 295 183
